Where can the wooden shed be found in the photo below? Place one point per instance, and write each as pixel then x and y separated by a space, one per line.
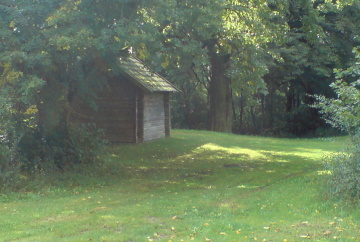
pixel 135 105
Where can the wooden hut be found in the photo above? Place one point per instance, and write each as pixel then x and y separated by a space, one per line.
pixel 134 107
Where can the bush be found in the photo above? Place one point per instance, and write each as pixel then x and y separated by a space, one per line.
pixel 68 146
pixel 345 169
pixel 9 169
pixel 343 112
pixel 35 156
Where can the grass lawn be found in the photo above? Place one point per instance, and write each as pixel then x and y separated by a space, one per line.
pixel 195 186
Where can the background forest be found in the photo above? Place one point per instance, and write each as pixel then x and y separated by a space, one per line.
pixel 252 67
pixel 248 67
pixel 280 68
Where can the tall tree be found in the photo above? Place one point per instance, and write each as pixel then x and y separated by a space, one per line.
pixel 317 41
pixel 222 42
pixel 50 52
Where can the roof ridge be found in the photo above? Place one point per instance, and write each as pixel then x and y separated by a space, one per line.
pixel 144 76
pixel 149 69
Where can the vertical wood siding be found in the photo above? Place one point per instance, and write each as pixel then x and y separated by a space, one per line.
pixel 154 116
pixel 116 113
pixel 167 114
pixel 127 114
pixel 140 117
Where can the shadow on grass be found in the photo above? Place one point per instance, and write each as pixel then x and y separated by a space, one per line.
pixel 197 157
pixel 201 162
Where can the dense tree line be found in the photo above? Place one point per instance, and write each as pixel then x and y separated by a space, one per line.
pixel 249 66
pixel 274 56
pixel 242 66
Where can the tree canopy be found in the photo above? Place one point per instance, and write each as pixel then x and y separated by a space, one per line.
pixel 243 66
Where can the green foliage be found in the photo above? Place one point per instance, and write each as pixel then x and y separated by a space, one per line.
pixel 36 157
pixel 344 111
pixel 345 169
pixel 72 145
pixel 274 55
pixel 53 52
pixel 10 168
pixel 220 45
pixel 190 112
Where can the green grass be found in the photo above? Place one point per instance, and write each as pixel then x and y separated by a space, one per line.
pixel 195 186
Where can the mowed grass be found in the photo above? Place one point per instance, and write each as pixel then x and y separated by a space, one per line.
pixel 194 186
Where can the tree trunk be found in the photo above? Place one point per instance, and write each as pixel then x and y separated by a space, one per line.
pixel 241 113
pixel 221 109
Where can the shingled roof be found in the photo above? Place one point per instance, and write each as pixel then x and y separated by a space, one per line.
pixel 143 77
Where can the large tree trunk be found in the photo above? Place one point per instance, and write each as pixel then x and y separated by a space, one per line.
pixel 221 109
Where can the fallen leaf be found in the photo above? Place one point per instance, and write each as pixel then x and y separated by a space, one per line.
pixel 327 232
pixel 175 217
pixel 172 229
pixel 305 236
pixel 266 228
pixel 339 229
pixel 208 239
pixel 222 233
pixel 206 224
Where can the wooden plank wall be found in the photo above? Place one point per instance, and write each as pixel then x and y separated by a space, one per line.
pixel 116 112
pixel 154 116
pixel 167 114
pixel 140 117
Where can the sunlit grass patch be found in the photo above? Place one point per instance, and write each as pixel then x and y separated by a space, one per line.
pixel 193 186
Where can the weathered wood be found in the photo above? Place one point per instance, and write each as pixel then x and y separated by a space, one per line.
pixel 154 116
pixel 140 117
pixel 116 112
pixel 127 113
pixel 167 114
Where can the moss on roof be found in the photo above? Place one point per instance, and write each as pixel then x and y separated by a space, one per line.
pixel 144 77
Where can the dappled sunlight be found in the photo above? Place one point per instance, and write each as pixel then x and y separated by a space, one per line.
pixel 324 172
pixel 251 154
pixel 216 186
pixel 107 216
pixel 312 153
pixel 246 187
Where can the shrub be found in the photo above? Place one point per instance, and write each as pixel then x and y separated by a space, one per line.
pixel 68 146
pixel 35 156
pixel 344 113
pixel 9 169
pixel 345 169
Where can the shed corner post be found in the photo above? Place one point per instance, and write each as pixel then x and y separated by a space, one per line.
pixel 140 117
pixel 167 114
